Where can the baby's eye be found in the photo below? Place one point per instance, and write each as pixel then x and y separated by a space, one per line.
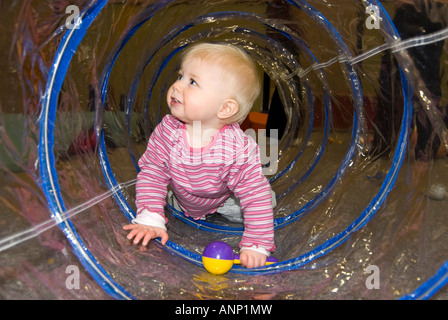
pixel 179 77
pixel 192 82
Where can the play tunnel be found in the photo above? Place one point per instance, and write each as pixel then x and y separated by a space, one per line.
pixel 351 126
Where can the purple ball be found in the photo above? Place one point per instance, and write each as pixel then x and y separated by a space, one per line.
pixel 218 250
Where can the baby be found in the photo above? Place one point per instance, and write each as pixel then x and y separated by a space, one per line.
pixel 203 155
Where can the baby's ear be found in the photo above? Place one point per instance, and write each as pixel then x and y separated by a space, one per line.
pixel 228 109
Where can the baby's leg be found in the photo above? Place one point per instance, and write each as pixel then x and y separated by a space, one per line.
pixel 171 199
pixel 231 209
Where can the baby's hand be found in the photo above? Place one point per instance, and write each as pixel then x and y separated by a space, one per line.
pixel 252 259
pixel 140 231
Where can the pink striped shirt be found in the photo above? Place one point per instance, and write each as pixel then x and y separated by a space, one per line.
pixel 202 179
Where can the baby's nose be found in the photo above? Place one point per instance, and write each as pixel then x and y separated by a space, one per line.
pixel 177 85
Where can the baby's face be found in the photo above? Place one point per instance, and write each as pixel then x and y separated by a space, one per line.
pixel 198 93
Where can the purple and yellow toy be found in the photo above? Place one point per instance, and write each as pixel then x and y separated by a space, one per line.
pixel 218 258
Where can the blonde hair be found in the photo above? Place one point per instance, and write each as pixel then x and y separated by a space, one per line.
pixel 236 64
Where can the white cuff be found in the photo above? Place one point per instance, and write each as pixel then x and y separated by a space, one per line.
pixel 149 218
pixel 256 249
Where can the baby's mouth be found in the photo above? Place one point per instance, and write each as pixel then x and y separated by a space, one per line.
pixel 174 100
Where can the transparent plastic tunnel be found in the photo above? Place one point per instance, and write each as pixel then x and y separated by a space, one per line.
pixel 356 91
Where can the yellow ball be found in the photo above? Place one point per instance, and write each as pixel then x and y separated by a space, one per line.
pixel 217 266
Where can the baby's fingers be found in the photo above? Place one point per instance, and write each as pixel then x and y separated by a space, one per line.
pixel 129 226
pixel 244 259
pixel 164 237
pixel 148 236
pixel 139 234
pixel 145 234
pixel 132 234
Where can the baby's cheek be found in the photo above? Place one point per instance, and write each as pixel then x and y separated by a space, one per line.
pixel 168 95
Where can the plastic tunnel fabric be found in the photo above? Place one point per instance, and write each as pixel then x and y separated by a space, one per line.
pixel 363 148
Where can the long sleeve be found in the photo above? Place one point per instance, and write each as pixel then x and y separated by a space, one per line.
pixel 252 188
pixel 154 175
